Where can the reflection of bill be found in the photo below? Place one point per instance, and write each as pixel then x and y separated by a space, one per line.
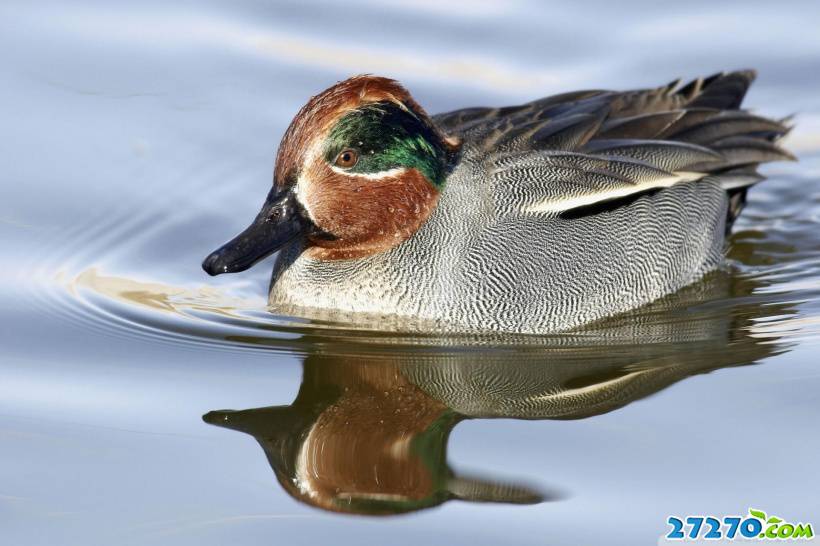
pixel 369 428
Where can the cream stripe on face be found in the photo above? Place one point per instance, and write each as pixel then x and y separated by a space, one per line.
pixel 390 173
pixel 304 183
pixel 300 190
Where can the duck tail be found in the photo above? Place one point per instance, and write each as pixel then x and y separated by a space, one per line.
pixel 712 118
pixel 704 114
pixel 721 91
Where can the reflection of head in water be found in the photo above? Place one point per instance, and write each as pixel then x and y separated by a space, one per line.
pixel 368 430
pixel 361 438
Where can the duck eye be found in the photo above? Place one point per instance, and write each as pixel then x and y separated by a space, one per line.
pixel 346 159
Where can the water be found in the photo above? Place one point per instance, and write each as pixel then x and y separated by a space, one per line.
pixel 138 136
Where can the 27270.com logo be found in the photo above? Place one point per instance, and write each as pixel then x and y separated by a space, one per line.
pixel 754 526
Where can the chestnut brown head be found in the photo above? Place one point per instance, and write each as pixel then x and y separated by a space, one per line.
pixel 358 171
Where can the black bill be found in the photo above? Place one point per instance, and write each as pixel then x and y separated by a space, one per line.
pixel 279 222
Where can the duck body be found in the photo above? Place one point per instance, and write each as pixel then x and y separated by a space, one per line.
pixel 467 269
pixel 551 214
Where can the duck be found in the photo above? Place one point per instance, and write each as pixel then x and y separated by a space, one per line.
pixel 530 219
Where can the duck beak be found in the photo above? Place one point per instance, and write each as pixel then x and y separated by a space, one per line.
pixel 280 221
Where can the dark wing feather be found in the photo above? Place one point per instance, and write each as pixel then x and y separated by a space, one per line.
pixel 573 149
pixel 725 124
pixel 724 91
pixel 480 120
pixel 640 126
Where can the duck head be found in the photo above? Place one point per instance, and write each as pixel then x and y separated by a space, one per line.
pixel 358 171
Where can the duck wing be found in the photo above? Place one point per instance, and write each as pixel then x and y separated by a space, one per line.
pixel 585 148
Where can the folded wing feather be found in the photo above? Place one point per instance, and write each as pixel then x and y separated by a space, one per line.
pixel 552 183
pixel 582 148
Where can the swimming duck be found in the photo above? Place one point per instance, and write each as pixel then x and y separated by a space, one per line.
pixel 531 219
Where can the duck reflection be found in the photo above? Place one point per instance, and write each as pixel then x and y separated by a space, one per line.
pixel 368 430
pixel 361 437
